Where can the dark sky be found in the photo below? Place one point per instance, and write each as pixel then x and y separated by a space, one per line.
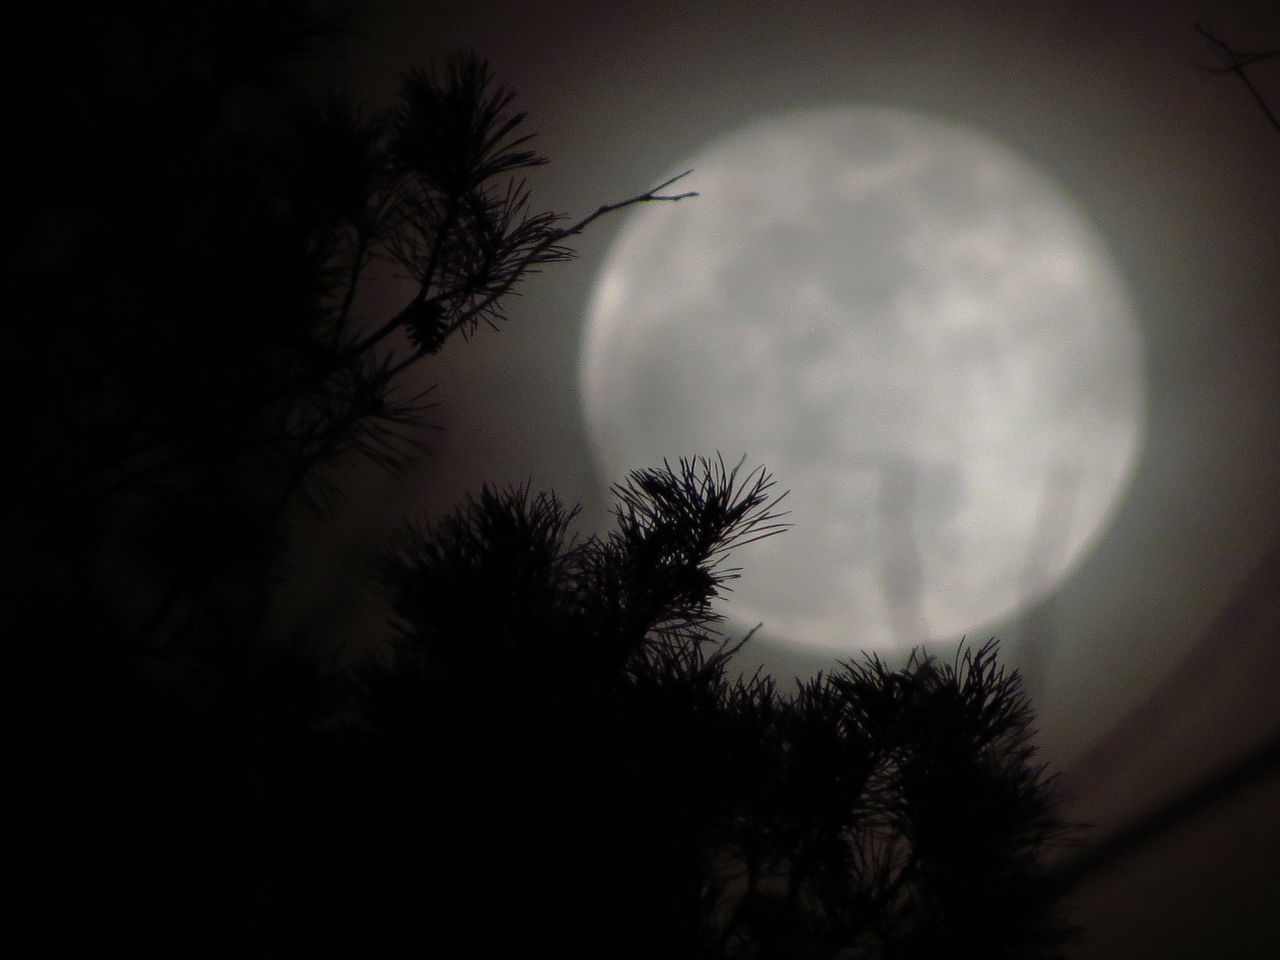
pixel 1152 665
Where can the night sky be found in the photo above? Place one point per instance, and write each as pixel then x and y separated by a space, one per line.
pixel 1153 664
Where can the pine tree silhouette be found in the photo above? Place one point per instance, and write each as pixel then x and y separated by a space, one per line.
pixel 571 708
pixel 552 751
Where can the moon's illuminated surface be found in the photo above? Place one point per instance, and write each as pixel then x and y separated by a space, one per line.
pixel 915 331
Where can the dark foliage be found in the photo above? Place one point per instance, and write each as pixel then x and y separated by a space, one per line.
pixel 185 354
pixel 551 752
pixel 578 693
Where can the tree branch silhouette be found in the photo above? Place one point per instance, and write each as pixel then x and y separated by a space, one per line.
pixel 892 812
pixel 1236 62
pixel 237 368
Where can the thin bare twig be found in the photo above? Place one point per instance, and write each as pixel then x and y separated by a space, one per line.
pixel 1236 63
pixel 534 256
pixel 646 197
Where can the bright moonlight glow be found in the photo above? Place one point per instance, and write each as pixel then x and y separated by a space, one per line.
pixel 914 330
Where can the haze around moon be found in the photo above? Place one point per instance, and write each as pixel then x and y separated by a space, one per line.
pixel 914 330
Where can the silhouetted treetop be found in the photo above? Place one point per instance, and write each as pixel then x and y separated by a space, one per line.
pixel 502 573
pixel 891 812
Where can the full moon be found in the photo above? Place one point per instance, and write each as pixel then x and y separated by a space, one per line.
pixel 915 331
